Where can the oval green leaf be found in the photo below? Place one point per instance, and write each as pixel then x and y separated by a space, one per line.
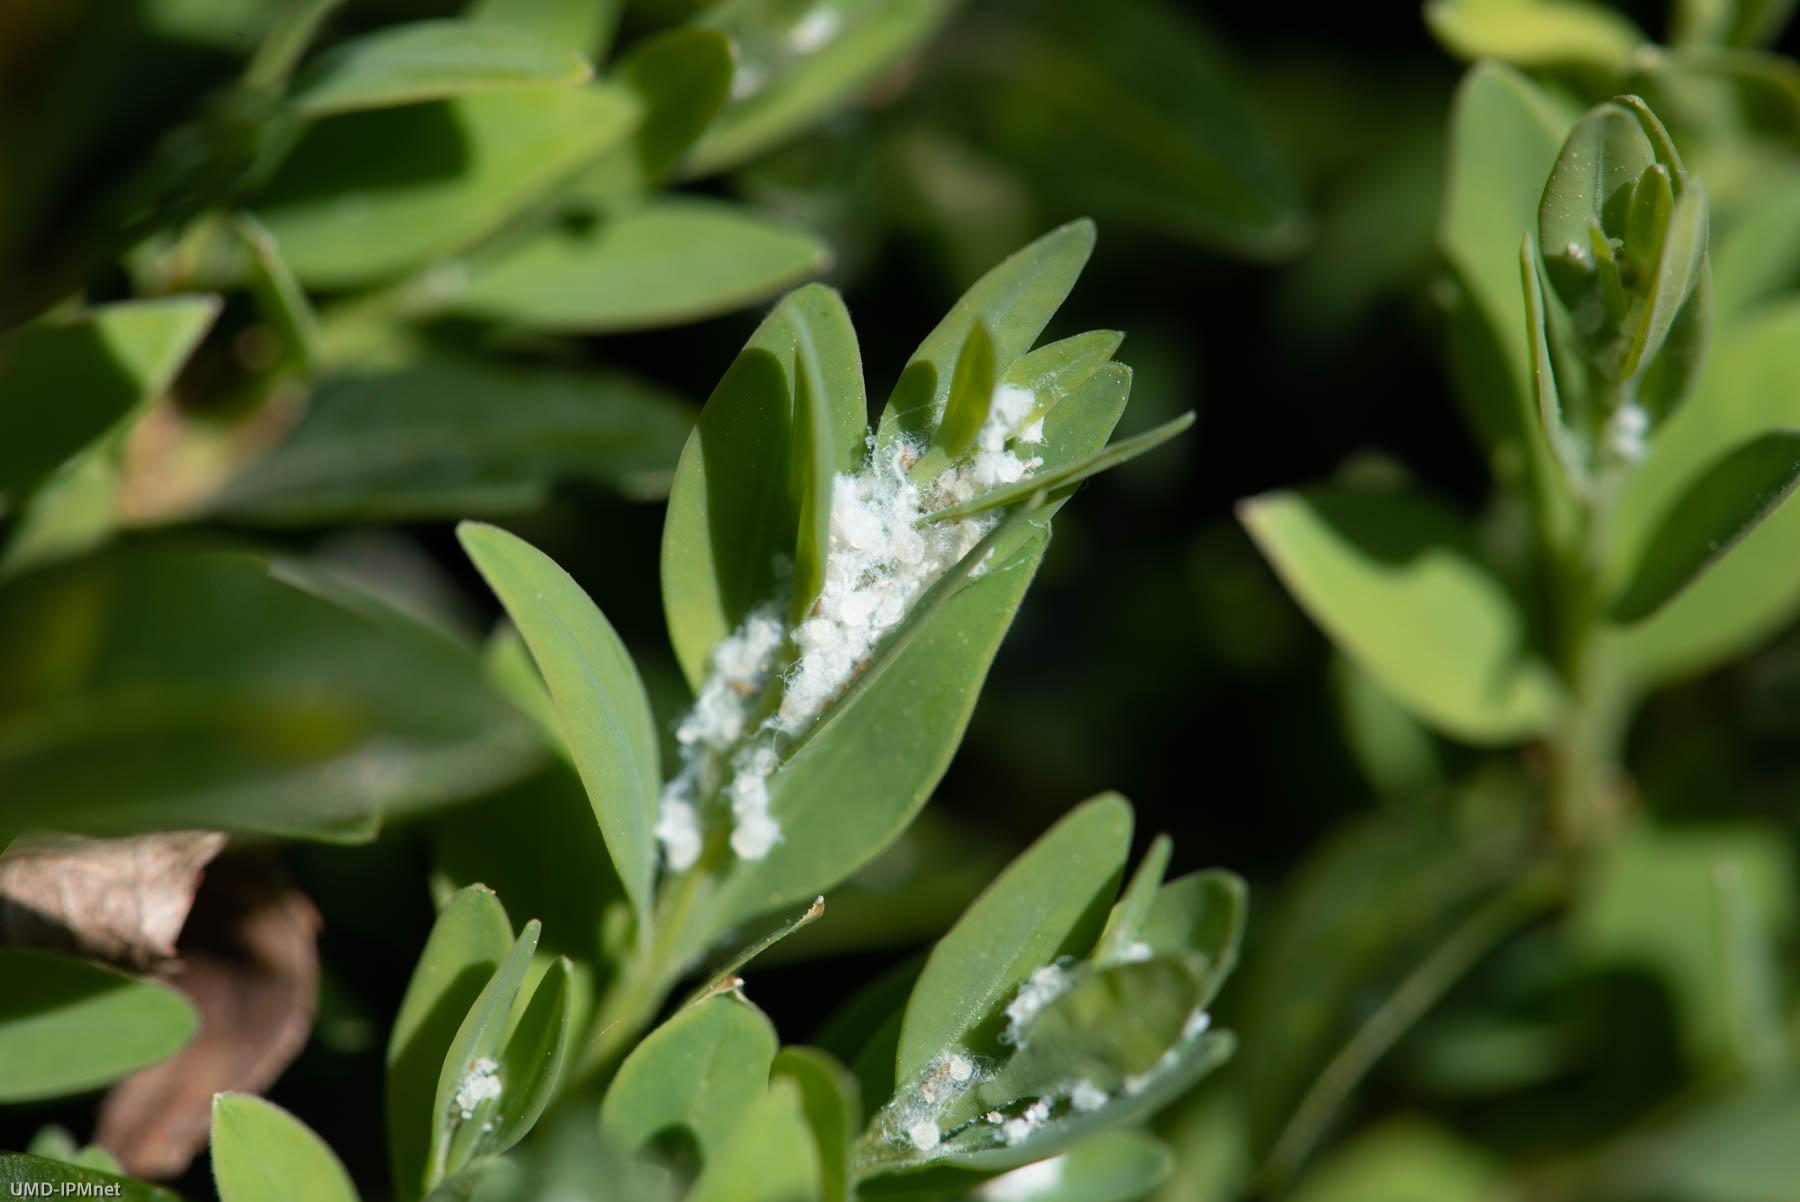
pixel 599 697
pixel 430 60
pixel 261 1153
pixel 68 1025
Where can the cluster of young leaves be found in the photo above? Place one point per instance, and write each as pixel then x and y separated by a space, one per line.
pixel 754 485
pixel 1615 314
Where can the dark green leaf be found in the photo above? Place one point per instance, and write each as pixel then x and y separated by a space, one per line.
pixel 66 382
pixel 828 1097
pixel 18 1171
pixel 162 689
pixel 455 436
pixel 682 78
pixel 1126 922
pixel 971 394
pixel 1201 913
pixel 464 1114
pixel 769 1157
pixel 532 1060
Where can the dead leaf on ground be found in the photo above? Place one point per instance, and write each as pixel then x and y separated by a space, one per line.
pixel 250 963
pixel 120 900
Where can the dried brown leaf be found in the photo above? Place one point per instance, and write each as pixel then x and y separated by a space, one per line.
pixel 122 900
pixel 250 964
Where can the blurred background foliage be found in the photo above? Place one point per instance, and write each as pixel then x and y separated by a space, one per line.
pixel 504 298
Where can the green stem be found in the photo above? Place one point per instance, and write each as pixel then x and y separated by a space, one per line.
pixel 1478 934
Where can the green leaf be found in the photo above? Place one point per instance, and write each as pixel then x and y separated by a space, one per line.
pixel 1654 903
pixel 1552 422
pixel 1201 913
pixel 1057 370
pixel 456 435
pixel 279 295
pixel 55 1143
pixel 769 1157
pixel 1403 1160
pixel 731 507
pixel 1738 1147
pixel 464 1117
pixel 1751 385
pixel 1535 33
pixel 605 714
pixel 430 60
pixel 584 25
pixel 829 422
pixel 1677 324
pixel 700 1073
pixel 682 78
pixel 1729 500
pixel 1115 1166
pixel 165 689
pixel 1061 477
pixel 366 196
pixel 828 1096
pixel 1126 922
pixel 532 1060
pixel 850 787
pixel 664 262
pixel 67 382
pixel 796 63
pixel 1397 583
pixel 68 1025
pixel 1015 301
pixel 1051 901
pixel 971 394
pixel 18 1171
pixel 261 1153
pixel 1132 114
pixel 468 942
pixel 1505 136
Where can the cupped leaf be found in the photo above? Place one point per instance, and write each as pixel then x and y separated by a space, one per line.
pixel 663 262
pixel 828 1096
pixel 1553 424
pixel 599 697
pixel 66 382
pixel 695 1078
pixel 470 939
pixel 1505 135
pixel 1056 370
pixel 797 62
pixel 430 60
pixel 971 394
pixel 458 435
pixel 365 196
pixel 467 1104
pixel 732 508
pixel 1199 914
pixel 1126 922
pixel 1051 901
pixel 1729 500
pixel 1015 301
pixel 769 1157
pixel 261 1153
pixel 1667 349
pixel 18 1171
pixel 68 1025
pixel 1535 33
pixel 532 1060
pixel 171 689
pixel 1396 581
